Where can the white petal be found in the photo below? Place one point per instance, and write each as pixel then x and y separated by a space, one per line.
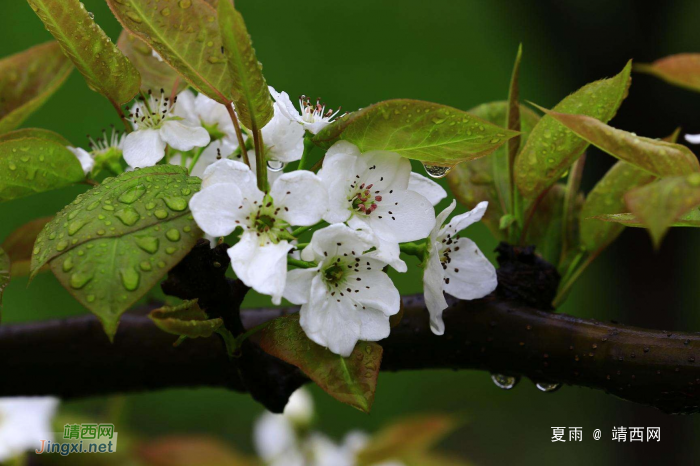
pixel 462 221
pixel 336 240
pixel 470 274
pixel 385 170
pixel 374 289
pixel 216 209
pixel 316 126
pixel 341 148
pixel 429 189
pixel 210 155
pixel 212 113
pixel 375 324
pixel 337 321
pixel 433 282
pixel 285 105
pixel 693 138
pixel 184 107
pixel 402 216
pixel 235 173
pixel 143 148
pixel 273 436
pixel 389 253
pixel 283 138
pixel 440 219
pixel 84 157
pixel 25 420
pixel 298 285
pixel 300 407
pixel 338 165
pixel 301 197
pixel 183 137
pixel 261 265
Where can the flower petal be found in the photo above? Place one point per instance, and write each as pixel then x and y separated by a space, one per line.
pixel 184 107
pixel 260 264
pixel 283 138
pixel 462 221
pixel 183 137
pixel 212 113
pixel 235 173
pixel 433 282
pixel 337 321
pixel 470 274
pixel 273 436
pixel 402 216
pixel 693 138
pixel 375 324
pixel 143 148
pixel 298 285
pixel 301 197
pixel 387 252
pixel 336 240
pixel 374 290
pixel 385 170
pixel 216 209
pixel 335 175
pixel 285 105
pixel 440 219
pixel 84 157
pixel 426 187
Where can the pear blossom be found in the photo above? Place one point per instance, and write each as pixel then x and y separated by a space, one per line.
pixel 24 422
pixel 283 138
pixel 155 126
pixel 230 199
pixel 313 117
pixel 455 265
pixel 200 110
pixel 346 297
pixel 84 157
pixel 693 138
pixel 427 188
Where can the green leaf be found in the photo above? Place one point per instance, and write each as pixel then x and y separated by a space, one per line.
pixel 32 165
pixel 115 242
pixel 546 227
pixel 552 148
pixel 607 197
pixel 658 205
pixel 105 68
pixel 4 272
pixel 187 319
pixel 250 93
pixel 19 245
pixel 186 35
pixel 36 133
pixel 27 80
pixel 475 181
pixel 655 156
pixel 513 123
pixel 691 219
pixel 155 74
pixel 434 134
pixel 351 380
pixel 681 70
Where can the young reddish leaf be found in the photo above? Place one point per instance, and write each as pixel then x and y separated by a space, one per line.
pixel 104 67
pixel 4 272
pixel 658 205
pixel 552 148
pixel 655 156
pixel 406 438
pixel 191 451
pixel 36 133
pixel 434 134
pixel 351 380
pixel 171 29
pixel 27 80
pixel 250 92
pixel 20 244
pixel 155 74
pixel 681 70
pixel 187 319
pixel 607 197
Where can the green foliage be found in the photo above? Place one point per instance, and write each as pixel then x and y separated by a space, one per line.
pixel 660 158
pixel 607 197
pixel 187 319
pixel 485 179
pixel 19 245
pixel 36 133
pixel 155 74
pixel 552 148
pixel 4 272
pixel 105 68
pixel 30 165
pixel 434 134
pixel 691 219
pixel 250 93
pixel 196 54
pixel 351 380
pixel 27 80
pixel 113 243
pixel 681 70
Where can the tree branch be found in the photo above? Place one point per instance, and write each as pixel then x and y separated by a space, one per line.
pixel 73 358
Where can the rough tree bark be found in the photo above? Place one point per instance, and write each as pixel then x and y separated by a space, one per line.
pixel 73 358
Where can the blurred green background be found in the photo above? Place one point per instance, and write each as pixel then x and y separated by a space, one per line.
pixel 460 53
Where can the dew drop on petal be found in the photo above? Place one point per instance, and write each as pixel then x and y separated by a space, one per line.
pixel 506 382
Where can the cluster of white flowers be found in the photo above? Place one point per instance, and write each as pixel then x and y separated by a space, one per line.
pixel 23 423
pixel 364 208
pixel 286 440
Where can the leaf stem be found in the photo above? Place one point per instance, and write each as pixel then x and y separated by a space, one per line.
pixel 301 230
pixel 300 264
pixel 239 134
pixel 413 249
pixel 195 158
pixel 127 127
pixel 260 165
pixel 569 282
pixel 572 186
pixel 308 145
pixel 531 213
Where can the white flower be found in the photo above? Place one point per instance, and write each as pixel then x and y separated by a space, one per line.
pixel 312 117
pixel 693 138
pixel 155 127
pixel 455 265
pixel 24 422
pixel 230 199
pixel 371 193
pixel 346 297
pixel 217 150
pixel 283 138
pixel 205 112
pixel 84 157
pixel 156 55
pixel 426 187
pixel 300 408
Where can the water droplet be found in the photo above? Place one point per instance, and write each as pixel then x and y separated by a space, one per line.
pixel 133 17
pixel 275 165
pixel 130 278
pixel 80 279
pixel 170 250
pixel 128 216
pixel 435 171
pixel 506 382
pixel 547 387
pixel 148 244
pixel 145 266
pixel 184 4
pixel 165 11
pixel 75 226
pixel 68 264
pixel 93 205
pixel 177 204
pixel 61 245
pixel 90 298
pixel 12 166
pixel 161 213
pixel 173 234
pixel 132 195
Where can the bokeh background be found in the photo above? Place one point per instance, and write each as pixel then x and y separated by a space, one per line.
pixel 460 53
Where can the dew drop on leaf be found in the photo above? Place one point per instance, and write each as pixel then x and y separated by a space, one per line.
pixel 435 171
pixel 148 244
pixel 506 382
pixel 80 279
pixel 128 216
pixel 177 204
pixel 130 278
pixel 547 387
pixel 173 234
